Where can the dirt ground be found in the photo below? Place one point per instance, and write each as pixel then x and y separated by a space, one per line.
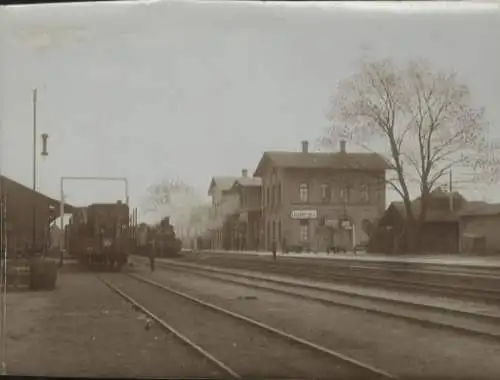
pixel 83 329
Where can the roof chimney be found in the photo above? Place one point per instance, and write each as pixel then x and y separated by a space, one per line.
pixel 305 146
pixel 244 173
pixel 342 146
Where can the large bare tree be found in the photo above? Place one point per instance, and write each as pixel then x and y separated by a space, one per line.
pixel 423 121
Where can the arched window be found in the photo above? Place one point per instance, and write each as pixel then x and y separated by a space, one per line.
pixel 304 192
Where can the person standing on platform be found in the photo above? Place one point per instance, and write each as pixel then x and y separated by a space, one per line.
pixel 274 249
pixel 152 250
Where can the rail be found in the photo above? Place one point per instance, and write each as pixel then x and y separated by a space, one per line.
pixel 294 339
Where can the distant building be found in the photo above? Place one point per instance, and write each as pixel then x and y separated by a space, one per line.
pixel 479 228
pixel 314 201
pixel 223 204
pixel 439 233
pixel 247 217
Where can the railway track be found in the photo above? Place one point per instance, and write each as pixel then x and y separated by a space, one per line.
pixel 236 344
pixel 487 287
pixel 428 315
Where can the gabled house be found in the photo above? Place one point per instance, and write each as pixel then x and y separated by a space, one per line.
pixel 248 230
pixel 217 190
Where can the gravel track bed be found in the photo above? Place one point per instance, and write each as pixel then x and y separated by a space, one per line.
pixel 459 320
pixel 398 347
pixel 248 350
pixel 474 264
pixel 310 269
pixel 440 301
pixel 82 329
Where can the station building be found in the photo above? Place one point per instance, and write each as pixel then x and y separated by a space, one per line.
pixel 315 201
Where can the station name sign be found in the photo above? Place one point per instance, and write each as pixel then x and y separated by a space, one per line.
pixel 304 214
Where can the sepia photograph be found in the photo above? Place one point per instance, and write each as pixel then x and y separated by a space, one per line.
pixel 250 189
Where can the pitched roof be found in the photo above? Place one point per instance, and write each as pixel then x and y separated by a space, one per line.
pixel 56 203
pixel 434 215
pixel 224 183
pixel 248 182
pixel 481 209
pixel 337 160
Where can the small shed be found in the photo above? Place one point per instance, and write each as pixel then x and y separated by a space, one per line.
pixel 480 228
pixel 440 232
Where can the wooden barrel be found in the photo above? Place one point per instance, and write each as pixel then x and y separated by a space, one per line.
pixel 43 274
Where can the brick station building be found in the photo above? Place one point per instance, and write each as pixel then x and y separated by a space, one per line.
pixel 313 201
pixel 16 218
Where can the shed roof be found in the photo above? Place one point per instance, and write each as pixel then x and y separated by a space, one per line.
pixel 433 215
pixel 481 209
pixel 8 182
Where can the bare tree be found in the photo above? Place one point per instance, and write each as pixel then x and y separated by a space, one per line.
pixel 426 123
pixel 181 202
pixel 162 193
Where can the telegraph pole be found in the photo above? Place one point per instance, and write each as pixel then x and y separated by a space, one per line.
pixel 33 243
pixel 450 187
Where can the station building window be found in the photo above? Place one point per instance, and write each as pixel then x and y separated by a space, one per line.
pixel 304 230
pixel 304 192
pixel 345 194
pixel 279 195
pixel 325 193
pixel 364 194
pixel 268 233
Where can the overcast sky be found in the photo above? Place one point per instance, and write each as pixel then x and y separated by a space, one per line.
pixel 195 89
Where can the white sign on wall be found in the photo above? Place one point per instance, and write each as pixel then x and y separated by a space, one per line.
pixel 304 214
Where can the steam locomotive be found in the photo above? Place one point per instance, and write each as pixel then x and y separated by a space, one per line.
pixel 159 240
pixel 99 235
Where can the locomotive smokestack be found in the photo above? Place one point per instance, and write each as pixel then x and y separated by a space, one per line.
pixel 342 146
pixel 305 146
